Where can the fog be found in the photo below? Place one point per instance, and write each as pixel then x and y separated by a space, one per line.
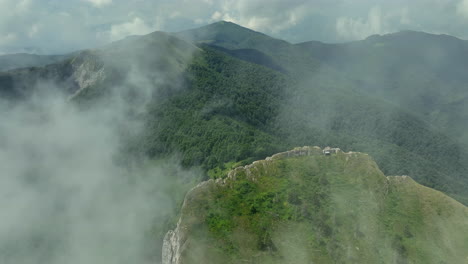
pixel 69 192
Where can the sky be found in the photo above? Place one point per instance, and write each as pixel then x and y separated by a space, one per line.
pixel 59 26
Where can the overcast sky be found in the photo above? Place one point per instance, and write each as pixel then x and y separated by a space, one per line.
pixel 56 26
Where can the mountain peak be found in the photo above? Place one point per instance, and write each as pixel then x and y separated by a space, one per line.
pixel 222 25
pixel 228 35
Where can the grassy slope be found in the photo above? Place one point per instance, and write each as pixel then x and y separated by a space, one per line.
pixel 322 209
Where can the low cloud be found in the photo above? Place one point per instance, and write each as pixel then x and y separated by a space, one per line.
pixel 65 197
pixel 69 191
pixel 349 28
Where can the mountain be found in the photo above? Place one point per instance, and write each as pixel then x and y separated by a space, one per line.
pixel 232 36
pixel 242 42
pixel 223 96
pixel 302 206
pixel 213 104
pixel 94 71
pixel 421 72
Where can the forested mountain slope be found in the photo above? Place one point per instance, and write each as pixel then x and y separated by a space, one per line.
pixel 203 97
pixel 421 72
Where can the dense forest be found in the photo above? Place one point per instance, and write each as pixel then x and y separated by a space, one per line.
pixel 234 111
pixel 223 95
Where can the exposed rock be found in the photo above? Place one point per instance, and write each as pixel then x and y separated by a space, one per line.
pixel 174 240
pixel 171 246
pixel 87 70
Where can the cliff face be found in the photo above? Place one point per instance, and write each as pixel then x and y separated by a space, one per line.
pixel 302 206
pixel 171 247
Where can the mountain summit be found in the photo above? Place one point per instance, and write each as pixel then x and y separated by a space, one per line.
pixel 230 35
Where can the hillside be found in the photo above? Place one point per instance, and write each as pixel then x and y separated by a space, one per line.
pixel 424 73
pixel 240 42
pixel 215 105
pixel 302 206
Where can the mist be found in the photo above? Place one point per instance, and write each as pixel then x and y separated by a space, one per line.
pixel 99 148
pixel 69 191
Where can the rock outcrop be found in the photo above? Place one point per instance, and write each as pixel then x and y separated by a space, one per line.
pixel 174 240
pixel 87 70
pixel 171 246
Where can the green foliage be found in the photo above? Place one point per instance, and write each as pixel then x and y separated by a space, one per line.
pixel 331 209
pixel 219 118
pixel 241 95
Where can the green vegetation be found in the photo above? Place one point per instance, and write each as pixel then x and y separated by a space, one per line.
pixel 235 111
pixel 221 117
pixel 322 209
pixel 232 95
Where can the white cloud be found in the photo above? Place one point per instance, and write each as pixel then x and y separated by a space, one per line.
pixel 217 16
pixel 135 27
pixel 358 28
pixel 99 3
pixel 264 15
pixel 65 195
